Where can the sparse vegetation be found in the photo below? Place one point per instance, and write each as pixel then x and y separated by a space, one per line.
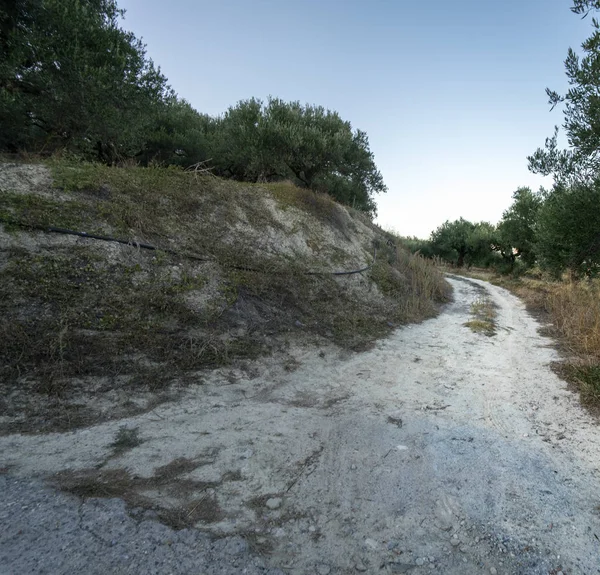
pixel 238 268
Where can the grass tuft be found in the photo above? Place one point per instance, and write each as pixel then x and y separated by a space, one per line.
pixel 126 439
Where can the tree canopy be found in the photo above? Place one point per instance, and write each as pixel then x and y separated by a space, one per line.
pixel 72 78
pixel 310 145
pixel 516 231
pixel 581 110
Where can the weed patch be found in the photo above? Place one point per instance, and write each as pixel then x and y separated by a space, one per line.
pixel 484 316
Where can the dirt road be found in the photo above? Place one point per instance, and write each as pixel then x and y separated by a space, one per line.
pixel 439 451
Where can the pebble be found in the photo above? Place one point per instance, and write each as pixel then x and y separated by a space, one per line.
pixel 274 502
pixel 360 567
pixel 323 569
pixel 463 548
pixel 493 571
pixel 371 543
pixel 454 542
pixel 420 561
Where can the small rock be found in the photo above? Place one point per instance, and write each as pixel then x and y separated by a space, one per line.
pixel 392 545
pixel 323 569
pixel 454 542
pixel 360 566
pixel 371 543
pixel 493 571
pixel 312 528
pixel 420 561
pixel 560 573
pixel 274 503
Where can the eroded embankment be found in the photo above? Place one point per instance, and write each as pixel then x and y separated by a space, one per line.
pixel 93 330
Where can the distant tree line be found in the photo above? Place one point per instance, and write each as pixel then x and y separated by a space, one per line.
pixel 71 78
pixel 556 229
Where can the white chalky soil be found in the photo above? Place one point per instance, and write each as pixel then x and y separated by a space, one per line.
pixel 438 451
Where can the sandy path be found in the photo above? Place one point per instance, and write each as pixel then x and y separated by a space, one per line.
pixel 439 451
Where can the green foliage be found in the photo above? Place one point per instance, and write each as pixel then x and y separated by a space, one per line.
pixel 178 135
pixel 462 242
pixel 568 229
pixel 481 243
pixel 450 240
pixel 566 235
pixel 70 76
pixel 418 246
pixel 308 145
pixel 516 230
pixel 581 112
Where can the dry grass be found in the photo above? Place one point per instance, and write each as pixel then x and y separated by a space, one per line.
pixel 572 308
pixel 196 500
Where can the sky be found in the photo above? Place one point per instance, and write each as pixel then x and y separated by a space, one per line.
pixel 450 93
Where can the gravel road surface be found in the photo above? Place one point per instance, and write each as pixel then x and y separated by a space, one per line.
pixel 440 450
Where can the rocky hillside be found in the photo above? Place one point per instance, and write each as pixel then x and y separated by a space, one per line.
pixel 206 273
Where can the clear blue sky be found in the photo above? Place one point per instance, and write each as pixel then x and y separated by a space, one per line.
pixel 451 93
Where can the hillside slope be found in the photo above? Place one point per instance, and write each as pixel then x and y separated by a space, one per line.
pixel 93 329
